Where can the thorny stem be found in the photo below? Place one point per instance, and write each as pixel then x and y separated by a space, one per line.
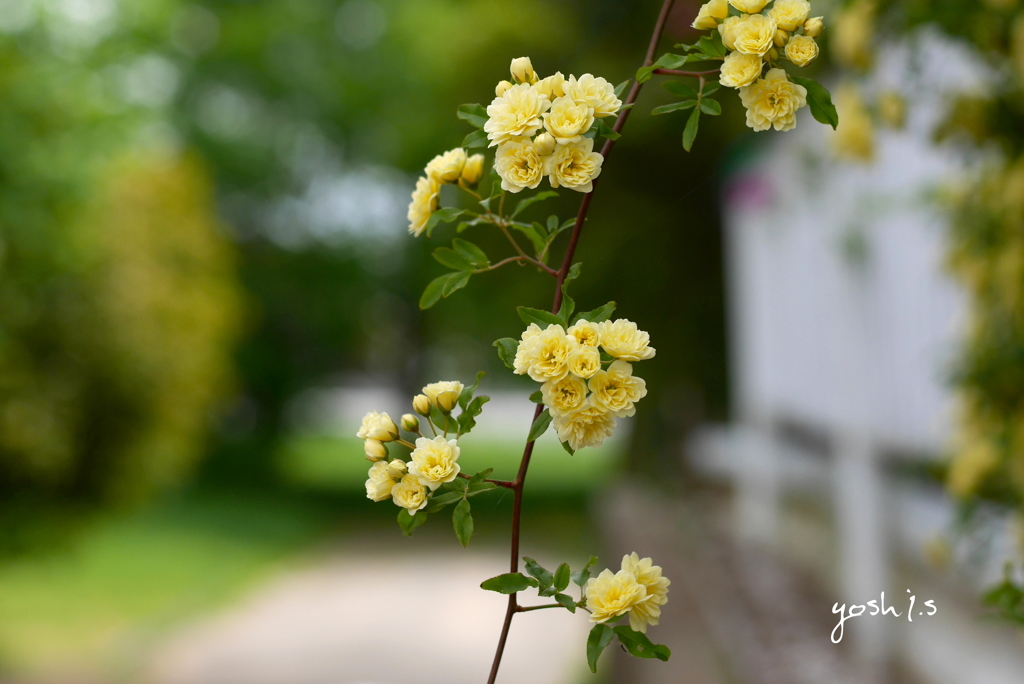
pixel 517 484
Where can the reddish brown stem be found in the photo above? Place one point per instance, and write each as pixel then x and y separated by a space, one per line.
pixel 570 251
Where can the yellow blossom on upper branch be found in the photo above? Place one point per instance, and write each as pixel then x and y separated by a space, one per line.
pixel 773 101
pixel 435 461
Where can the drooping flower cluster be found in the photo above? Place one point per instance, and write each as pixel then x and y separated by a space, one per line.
pixel 637 589
pixel 432 461
pixel 453 166
pixel 584 390
pixel 540 128
pixel 759 35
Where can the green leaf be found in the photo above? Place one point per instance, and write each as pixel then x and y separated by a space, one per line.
pixel 446 215
pixel 819 100
pixel 539 426
pixel 480 488
pixel 711 45
pixel 580 577
pixel 477 138
pixel 567 601
pixel 640 646
pixel 507 347
pixel 462 520
pixel 539 197
pixel 568 305
pixel 710 107
pixel 561 577
pixel 602 313
pixel 607 131
pixel 710 88
pixel 568 449
pixel 534 236
pixel 537 397
pixel 439 501
pixel 680 89
pixel 451 259
pixel 600 637
pixel 666 61
pixel 456 281
pixel 467 392
pixel 471 253
pixel 541 318
pixel 690 132
pixel 674 107
pixel 509 583
pixel 621 88
pixel 537 571
pixel 475 114
pixel 432 292
pixel 481 476
pixel 409 522
pixel 467 419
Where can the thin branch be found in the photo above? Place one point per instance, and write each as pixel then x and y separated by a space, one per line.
pixel 526 609
pixel 677 72
pixel 524 465
pixel 500 483
pixel 522 254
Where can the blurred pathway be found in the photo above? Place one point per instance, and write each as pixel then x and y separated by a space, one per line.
pixel 418 617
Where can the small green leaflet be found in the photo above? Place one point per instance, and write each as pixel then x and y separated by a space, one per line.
pixel 537 571
pixel 674 107
pixel 471 253
pixel 580 577
pixel 600 636
pixel 408 522
pixel 509 583
pixel 602 313
pixel 539 426
pixel 462 520
pixel 690 132
pixel 640 646
pixel 819 100
pixel 475 114
pixel 477 138
pixel 506 347
pixel 541 318
pixel 446 215
pixel 539 197
pixel 561 577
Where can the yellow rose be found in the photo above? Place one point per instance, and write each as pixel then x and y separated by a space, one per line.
pixel 522 70
pixel 749 6
pixel 616 390
pixel 562 396
pixel 710 14
pixel 375 450
pixel 610 595
pixel 814 26
pixel 586 333
pixel 623 340
pixel 544 144
pixel 780 39
pixel 421 404
pixel 575 166
pixel 410 494
pixel 410 423
pixel 790 14
pixel 524 352
pixel 568 121
pixel 435 461
pixel 519 165
pixel 515 114
pixel 378 426
pixel 502 88
pixel 801 50
pixel 544 354
pixel 424 203
pixel 552 86
pixel 584 360
pixel 595 92
pixel 447 167
pixel 587 426
pixel 382 478
pixel 648 575
pixel 727 29
pixel 773 101
pixel 473 170
pixel 443 395
pixel 854 139
pixel 740 70
pixel 753 34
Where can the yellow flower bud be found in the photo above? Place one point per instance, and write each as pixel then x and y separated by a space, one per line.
pixel 421 405
pixel 814 26
pixel 473 170
pixel 772 54
pixel 444 395
pixel 544 144
pixel 780 38
pixel 375 450
pixel 522 70
pixel 501 88
pixel 410 423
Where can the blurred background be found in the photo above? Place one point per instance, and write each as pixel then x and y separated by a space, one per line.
pixel 206 281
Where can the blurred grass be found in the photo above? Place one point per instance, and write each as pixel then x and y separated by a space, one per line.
pixel 123 581
pixel 329 462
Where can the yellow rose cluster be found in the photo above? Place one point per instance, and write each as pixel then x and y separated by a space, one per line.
pixel 584 391
pixel 638 589
pixel 432 462
pixel 758 35
pixel 453 166
pixel 539 127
